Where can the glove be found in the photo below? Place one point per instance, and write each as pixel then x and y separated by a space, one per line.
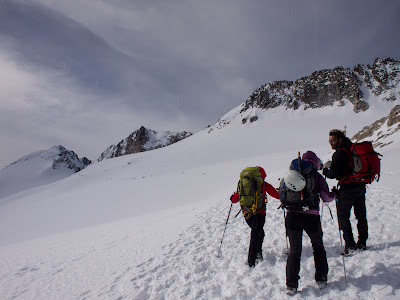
pixel 327 164
pixel 235 198
pixel 320 165
pixel 335 191
pixel 325 171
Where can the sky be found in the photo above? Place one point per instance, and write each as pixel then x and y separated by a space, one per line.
pixel 85 74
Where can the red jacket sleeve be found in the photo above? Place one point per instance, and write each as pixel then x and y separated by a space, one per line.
pixel 271 190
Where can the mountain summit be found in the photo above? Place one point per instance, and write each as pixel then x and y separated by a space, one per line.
pixel 40 168
pixel 143 140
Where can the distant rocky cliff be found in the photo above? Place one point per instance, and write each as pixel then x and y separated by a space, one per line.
pixel 69 159
pixel 326 88
pixel 142 140
pixel 381 130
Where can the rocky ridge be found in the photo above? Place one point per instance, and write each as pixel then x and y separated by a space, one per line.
pixel 69 159
pixel 60 157
pixel 381 130
pixel 326 88
pixel 143 140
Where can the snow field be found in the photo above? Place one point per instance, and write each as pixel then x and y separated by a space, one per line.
pixel 148 226
pixel 171 254
pixel 189 269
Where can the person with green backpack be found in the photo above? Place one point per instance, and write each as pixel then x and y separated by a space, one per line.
pixel 251 194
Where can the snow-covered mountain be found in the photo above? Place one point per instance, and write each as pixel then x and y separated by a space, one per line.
pixel 40 168
pixel 146 225
pixel 143 140
pixel 325 88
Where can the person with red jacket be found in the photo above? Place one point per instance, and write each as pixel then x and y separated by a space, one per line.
pixel 256 221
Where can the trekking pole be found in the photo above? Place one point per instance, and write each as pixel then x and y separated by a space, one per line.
pixel 341 243
pixel 299 162
pixel 322 209
pixel 284 220
pixel 322 205
pixel 227 219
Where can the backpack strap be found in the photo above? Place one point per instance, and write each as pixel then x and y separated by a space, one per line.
pixel 344 178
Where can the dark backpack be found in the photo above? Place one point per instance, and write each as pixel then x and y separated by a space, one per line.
pixel 364 163
pixel 250 189
pixel 302 200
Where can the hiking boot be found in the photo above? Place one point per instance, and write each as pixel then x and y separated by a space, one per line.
pixel 291 290
pixel 361 246
pixel 349 251
pixel 322 284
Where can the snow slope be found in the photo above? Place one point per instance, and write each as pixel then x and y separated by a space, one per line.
pixel 146 226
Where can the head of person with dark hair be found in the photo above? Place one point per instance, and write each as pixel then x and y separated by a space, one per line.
pixel 337 137
pixel 337 133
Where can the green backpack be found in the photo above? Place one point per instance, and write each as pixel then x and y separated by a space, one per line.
pixel 250 189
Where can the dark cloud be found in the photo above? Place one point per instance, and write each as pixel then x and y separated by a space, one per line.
pixel 177 65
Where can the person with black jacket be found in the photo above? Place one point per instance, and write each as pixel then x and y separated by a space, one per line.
pixel 349 195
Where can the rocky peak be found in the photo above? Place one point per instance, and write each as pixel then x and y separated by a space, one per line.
pixel 143 140
pixel 69 159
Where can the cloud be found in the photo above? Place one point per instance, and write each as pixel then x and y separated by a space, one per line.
pixel 41 107
pixel 71 67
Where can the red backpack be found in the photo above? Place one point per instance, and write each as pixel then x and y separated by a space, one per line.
pixel 364 162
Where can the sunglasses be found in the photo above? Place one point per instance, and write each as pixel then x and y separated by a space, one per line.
pixel 331 141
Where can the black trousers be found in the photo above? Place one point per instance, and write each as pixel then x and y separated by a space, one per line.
pixel 349 197
pixel 295 224
pixel 256 223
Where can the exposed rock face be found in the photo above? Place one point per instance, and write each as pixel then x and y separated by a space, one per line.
pixel 326 87
pixel 337 86
pixel 394 116
pixel 142 140
pixel 381 129
pixel 69 159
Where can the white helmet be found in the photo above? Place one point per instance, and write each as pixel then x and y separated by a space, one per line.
pixel 294 181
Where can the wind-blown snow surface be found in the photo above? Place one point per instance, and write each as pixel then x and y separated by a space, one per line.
pixel 146 226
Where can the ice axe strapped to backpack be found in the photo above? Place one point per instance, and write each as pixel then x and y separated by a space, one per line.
pixel 297 186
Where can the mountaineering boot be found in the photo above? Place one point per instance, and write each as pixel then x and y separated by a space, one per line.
pixel 251 262
pixel 361 246
pixel 322 284
pixel 349 249
pixel 322 281
pixel 259 257
pixel 291 290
